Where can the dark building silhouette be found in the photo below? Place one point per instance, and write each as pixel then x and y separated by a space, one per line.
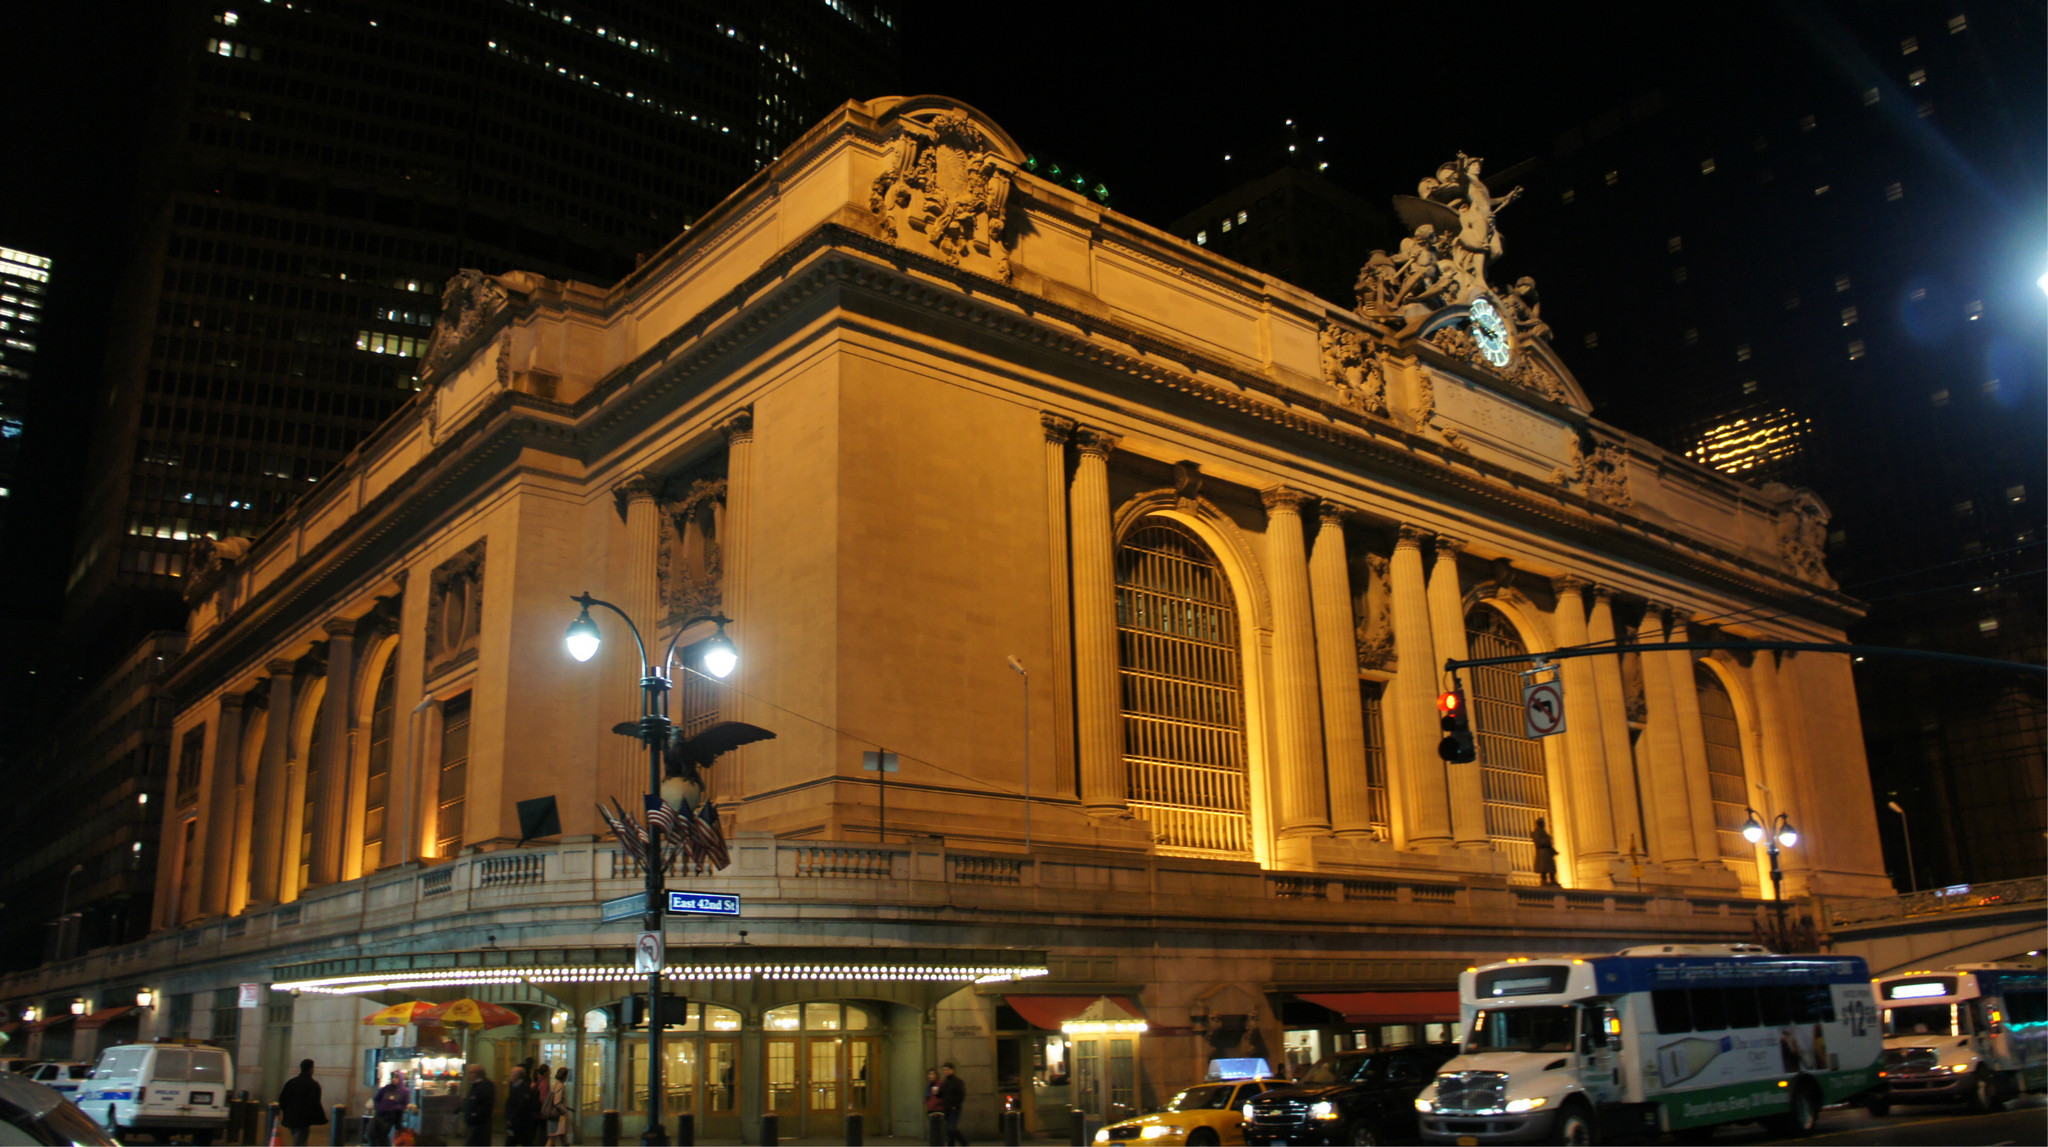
pixel 1814 265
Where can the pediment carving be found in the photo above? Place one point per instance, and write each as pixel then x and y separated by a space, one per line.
pixel 692 559
pixel 1373 613
pixel 469 302
pixel 944 184
pixel 1802 532
pixel 1353 369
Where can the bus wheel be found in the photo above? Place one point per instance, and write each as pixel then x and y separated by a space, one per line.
pixel 1574 1126
pixel 1985 1094
pixel 1805 1112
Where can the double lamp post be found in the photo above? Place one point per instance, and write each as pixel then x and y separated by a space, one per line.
pixel 719 658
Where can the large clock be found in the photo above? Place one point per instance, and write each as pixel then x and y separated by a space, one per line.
pixel 1490 332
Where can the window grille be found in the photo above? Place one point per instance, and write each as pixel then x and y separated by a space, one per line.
pixel 377 778
pixel 1724 768
pixel 1511 771
pixel 454 775
pixel 316 758
pixel 1370 693
pixel 1183 693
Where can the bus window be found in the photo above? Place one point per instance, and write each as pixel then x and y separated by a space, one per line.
pixel 1921 1019
pixel 1709 1014
pixel 1672 1012
pixel 1775 1002
pixel 1742 1009
pixel 2026 1006
pixel 1812 1004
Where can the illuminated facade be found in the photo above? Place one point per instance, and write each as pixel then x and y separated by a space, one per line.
pixel 905 413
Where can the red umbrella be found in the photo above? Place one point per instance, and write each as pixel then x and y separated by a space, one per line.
pixel 398 1015
pixel 470 1013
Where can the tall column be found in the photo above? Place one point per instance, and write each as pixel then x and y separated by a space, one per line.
pixel 1098 713
pixel 1304 810
pixel 1329 574
pixel 640 597
pixel 1585 742
pixel 217 815
pixel 1413 697
pixel 1058 432
pixel 266 853
pixel 1666 804
pixel 1447 629
pixel 331 813
pixel 1613 709
pixel 1692 740
pixel 735 543
pixel 1779 784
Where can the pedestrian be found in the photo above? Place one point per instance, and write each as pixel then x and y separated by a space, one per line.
pixel 298 1105
pixel 542 1080
pixel 388 1107
pixel 932 1102
pixel 477 1107
pixel 561 1116
pixel 522 1108
pixel 1546 855
pixel 952 1096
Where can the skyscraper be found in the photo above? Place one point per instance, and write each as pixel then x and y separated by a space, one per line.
pixel 23 281
pixel 323 170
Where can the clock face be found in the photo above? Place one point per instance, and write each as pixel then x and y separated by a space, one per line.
pixel 1491 333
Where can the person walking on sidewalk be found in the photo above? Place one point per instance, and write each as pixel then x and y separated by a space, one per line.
pixel 389 1107
pixel 952 1097
pixel 561 1116
pixel 478 1105
pixel 298 1105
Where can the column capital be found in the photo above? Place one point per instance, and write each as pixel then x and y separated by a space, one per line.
pixel 341 626
pixel 1095 442
pixel 1448 546
pixel 1332 513
pixel 1602 593
pixel 638 487
pixel 1409 537
pixel 282 667
pixel 1279 499
pixel 234 701
pixel 739 427
pixel 1570 585
pixel 1058 427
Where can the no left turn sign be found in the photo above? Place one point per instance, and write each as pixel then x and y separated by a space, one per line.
pixel 1543 709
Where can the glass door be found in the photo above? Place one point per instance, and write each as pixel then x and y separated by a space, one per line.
pixel 720 1118
pixel 823 1106
pixel 784 1094
pixel 864 1085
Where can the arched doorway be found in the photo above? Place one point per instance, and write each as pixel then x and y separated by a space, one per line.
pixel 1512 777
pixel 824 1062
pixel 1181 672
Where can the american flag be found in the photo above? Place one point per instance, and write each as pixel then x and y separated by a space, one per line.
pixel 630 837
pixel 708 837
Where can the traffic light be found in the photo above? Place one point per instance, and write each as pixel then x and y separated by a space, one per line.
pixel 1457 746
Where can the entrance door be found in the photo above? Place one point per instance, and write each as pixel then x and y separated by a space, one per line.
pixel 719 1118
pixel 785 1088
pixel 824 1081
pixel 864 1083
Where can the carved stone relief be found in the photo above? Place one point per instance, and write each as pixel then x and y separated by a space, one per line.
pixel 692 563
pixel 455 597
pixel 470 300
pixel 1802 532
pixel 944 181
pixel 1373 613
pixel 1353 370
pixel 1607 476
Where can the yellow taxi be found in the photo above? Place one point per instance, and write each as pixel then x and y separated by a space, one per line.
pixel 1205 1115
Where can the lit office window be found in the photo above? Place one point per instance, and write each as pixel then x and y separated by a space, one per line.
pixel 1909 45
pixel 1893 192
pixel 1988 625
pixel 2015 494
pixel 1841 282
pixel 1918 77
pixel 1675 244
pixel 1707 166
pixel 1742 352
pixel 1848 316
pixel 1855 349
pixel 1869 96
pixel 1958 23
pixel 1938 398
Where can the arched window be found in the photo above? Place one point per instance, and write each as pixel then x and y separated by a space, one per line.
pixel 1724 764
pixel 377 768
pixel 316 758
pixel 1183 692
pixel 1510 765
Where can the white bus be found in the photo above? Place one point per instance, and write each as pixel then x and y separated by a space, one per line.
pixel 1570 1049
pixel 1975 1033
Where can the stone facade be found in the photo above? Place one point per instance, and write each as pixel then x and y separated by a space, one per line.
pixel 904 411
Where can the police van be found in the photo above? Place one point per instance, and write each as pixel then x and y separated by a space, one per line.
pixel 173 1087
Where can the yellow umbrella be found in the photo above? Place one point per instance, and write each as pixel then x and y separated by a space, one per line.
pixel 398 1015
pixel 470 1013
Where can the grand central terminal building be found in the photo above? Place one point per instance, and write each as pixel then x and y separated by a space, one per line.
pixel 1098 592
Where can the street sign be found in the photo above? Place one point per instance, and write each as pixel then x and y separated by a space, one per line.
pixel 703 904
pixel 624 908
pixel 650 952
pixel 879 762
pixel 1543 709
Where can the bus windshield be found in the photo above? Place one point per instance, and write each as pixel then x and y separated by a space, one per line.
pixel 1520 1029
pixel 1921 1019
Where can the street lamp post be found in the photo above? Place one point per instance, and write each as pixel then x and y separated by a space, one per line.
pixel 1912 876
pixel 720 658
pixel 1781 833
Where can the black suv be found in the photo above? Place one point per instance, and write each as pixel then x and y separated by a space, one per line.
pixel 1350 1097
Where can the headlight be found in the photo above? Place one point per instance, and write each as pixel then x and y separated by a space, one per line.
pixel 1102 1136
pixel 1517 1106
pixel 1158 1131
pixel 1248 1113
pixel 1324 1110
pixel 1424 1106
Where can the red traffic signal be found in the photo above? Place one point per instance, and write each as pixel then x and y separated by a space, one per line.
pixel 1451 703
pixel 1457 745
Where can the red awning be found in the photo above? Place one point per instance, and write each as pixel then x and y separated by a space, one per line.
pixel 1389 1007
pixel 53 1021
pixel 1049 1012
pixel 101 1018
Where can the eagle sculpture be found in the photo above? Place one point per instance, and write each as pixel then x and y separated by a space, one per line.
pixel 682 756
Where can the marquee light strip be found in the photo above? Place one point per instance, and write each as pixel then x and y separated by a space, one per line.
pixel 563 974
